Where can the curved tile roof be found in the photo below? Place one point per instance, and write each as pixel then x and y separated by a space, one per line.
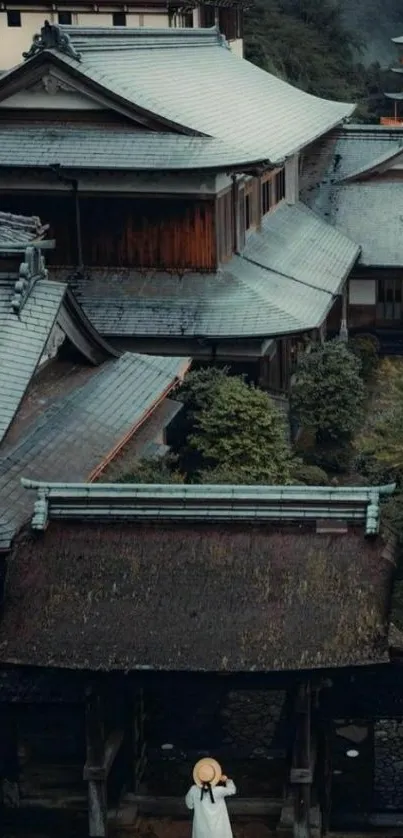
pixel 220 95
pixel 190 81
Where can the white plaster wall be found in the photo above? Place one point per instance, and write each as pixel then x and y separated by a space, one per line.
pixel 362 292
pixel 156 21
pixel 237 47
pixel 16 40
pixel 94 18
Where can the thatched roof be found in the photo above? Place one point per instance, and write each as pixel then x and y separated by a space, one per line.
pixel 207 596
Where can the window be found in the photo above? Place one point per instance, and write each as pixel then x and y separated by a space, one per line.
pixel 267 196
pixel 187 20
pixel 119 19
pixel 65 18
pixel 280 185
pixel 207 16
pixel 228 23
pixel 13 18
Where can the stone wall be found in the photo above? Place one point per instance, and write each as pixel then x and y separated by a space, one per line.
pixel 252 718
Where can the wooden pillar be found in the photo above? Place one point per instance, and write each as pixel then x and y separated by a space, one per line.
pixel 97 796
pixel 301 772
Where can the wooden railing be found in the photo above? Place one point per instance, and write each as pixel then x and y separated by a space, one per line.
pixel 392 121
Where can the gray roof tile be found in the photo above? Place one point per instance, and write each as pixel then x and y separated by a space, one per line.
pixel 370 211
pixel 20 229
pixel 259 113
pixel 109 147
pixel 297 242
pixel 23 338
pixel 240 300
pixel 78 432
pixel 254 114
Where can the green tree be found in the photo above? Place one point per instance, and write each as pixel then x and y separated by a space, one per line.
pixel 238 434
pixel 328 395
pixel 306 43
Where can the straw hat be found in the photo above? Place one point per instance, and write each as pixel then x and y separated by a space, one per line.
pixel 207 770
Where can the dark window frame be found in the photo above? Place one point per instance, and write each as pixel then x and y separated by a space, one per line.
pixel 119 19
pixel 14 19
pixel 65 14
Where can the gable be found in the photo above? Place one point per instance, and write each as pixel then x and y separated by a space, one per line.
pixel 49 82
pixel 49 93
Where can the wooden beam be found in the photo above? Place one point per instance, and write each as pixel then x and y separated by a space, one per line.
pixel 97 798
pixel 302 760
pixel 100 772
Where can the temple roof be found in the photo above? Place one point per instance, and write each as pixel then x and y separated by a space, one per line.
pixel 285 282
pixel 213 579
pixel 20 230
pixel 252 114
pixel 356 195
pixel 73 419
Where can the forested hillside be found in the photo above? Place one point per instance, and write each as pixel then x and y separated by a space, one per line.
pixel 314 44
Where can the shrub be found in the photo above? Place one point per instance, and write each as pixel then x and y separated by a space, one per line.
pixel 328 395
pixel 309 475
pixel 236 432
pixel 366 349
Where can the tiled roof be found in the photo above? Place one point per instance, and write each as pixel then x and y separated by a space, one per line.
pixel 257 116
pixel 224 97
pixel 297 242
pixel 109 147
pixel 23 338
pixel 122 502
pixel 370 211
pixel 19 229
pixel 240 300
pixel 78 432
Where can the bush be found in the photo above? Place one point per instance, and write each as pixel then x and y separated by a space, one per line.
pixel 334 457
pixel 241 432
pixel 303 474
pixel 328 395
pixel 366 349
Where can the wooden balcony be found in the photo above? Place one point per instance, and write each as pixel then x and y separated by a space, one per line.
pixel 392 121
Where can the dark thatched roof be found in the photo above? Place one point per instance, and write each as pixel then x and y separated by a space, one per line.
pixel 195 597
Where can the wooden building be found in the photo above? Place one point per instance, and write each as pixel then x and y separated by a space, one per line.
pixel 355 181
pixel 144 626
pixel 69 401
pixel 176 211
pixel 19 22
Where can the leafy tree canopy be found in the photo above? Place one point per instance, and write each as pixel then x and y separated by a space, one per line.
pixel 238 434
pixel 328 395
pixel 306 43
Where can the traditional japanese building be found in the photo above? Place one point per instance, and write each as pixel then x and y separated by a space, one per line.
pixel 69 402
pixel 176 211
pixel 355 182
pixel 144 626
pixel 19 22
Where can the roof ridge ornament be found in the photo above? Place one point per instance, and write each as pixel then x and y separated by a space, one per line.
pixel 52 37
pixel 32 269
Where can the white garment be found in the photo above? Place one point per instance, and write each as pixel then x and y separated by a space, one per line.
pixel 210 820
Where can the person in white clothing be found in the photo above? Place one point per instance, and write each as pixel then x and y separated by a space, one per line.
pixel 207 800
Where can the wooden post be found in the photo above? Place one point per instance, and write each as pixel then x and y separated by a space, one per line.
pixel 97 797
pixel 301 773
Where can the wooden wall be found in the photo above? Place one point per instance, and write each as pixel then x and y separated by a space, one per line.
pixel 149 232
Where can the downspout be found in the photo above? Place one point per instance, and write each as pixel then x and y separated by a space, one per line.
pixel 77 216
pixel 234 202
